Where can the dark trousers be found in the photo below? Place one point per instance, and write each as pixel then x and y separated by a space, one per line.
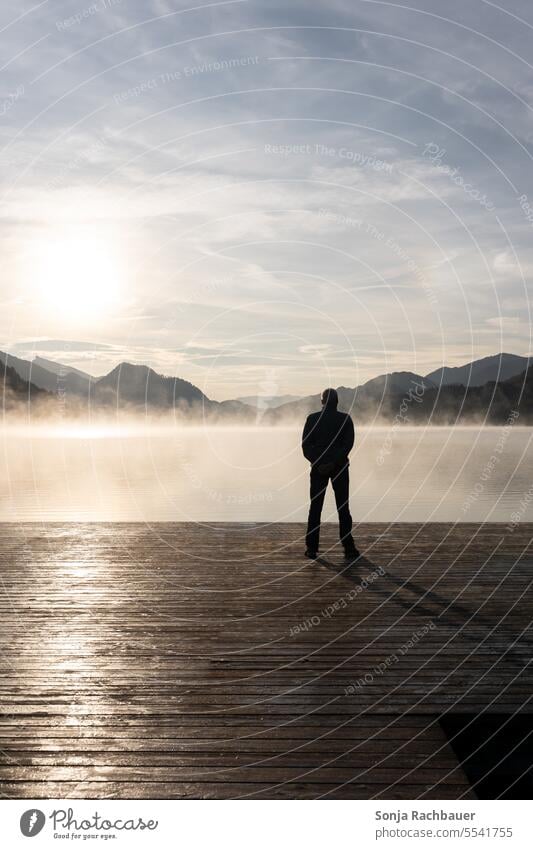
pixel 341 487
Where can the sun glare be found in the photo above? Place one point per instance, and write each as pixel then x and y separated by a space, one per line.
pixel 78 275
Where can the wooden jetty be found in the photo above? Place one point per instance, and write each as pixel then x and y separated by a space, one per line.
pixel 187 661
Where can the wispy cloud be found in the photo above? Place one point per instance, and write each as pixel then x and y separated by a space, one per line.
pixel 285 182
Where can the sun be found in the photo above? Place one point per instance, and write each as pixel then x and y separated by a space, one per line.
pixel 78 275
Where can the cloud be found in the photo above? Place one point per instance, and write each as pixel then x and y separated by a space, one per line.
pixel 60 346
pixel 504 261
pixel 504 322
pixel 232 149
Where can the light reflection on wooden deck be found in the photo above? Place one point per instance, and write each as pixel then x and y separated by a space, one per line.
pixel 178 661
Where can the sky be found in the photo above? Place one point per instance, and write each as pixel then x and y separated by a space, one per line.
pixel 266 197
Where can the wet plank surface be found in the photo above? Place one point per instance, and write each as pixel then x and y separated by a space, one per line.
pixel 182 661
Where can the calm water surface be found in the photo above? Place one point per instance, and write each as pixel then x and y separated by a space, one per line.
pixel 252 474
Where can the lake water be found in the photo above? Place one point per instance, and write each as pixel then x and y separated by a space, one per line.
pixel 57 473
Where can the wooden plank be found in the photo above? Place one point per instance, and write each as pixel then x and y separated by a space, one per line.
pixel 228 790
pixel 178 661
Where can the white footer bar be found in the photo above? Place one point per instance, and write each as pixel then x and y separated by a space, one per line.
pixel 254 824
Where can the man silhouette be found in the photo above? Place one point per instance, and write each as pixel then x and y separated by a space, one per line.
pixel 327 440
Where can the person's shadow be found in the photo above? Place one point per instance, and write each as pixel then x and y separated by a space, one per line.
pixel 419 600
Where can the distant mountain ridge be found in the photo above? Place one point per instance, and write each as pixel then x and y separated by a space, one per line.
pixel 496 402
pixel 14 390
pixel 267 401
pixel 141 385
pixel 51 381
pixel 497 367
pixel 127 387
pixel 437 398
pixel 368 400
pixel 502 402
pixel 61 369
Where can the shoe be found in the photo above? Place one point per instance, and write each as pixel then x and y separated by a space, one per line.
pixel 312 555
pixel 351 554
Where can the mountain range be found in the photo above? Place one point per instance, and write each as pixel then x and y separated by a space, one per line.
pixel 407 398
pixel 128 387
pixel 488 389
pixel 496 368
pixel 265 402
pixel 15 390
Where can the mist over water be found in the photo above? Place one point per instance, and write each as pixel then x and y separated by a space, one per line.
pixel 70 472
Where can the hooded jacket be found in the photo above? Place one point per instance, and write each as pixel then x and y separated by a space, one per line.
pixel 328 437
